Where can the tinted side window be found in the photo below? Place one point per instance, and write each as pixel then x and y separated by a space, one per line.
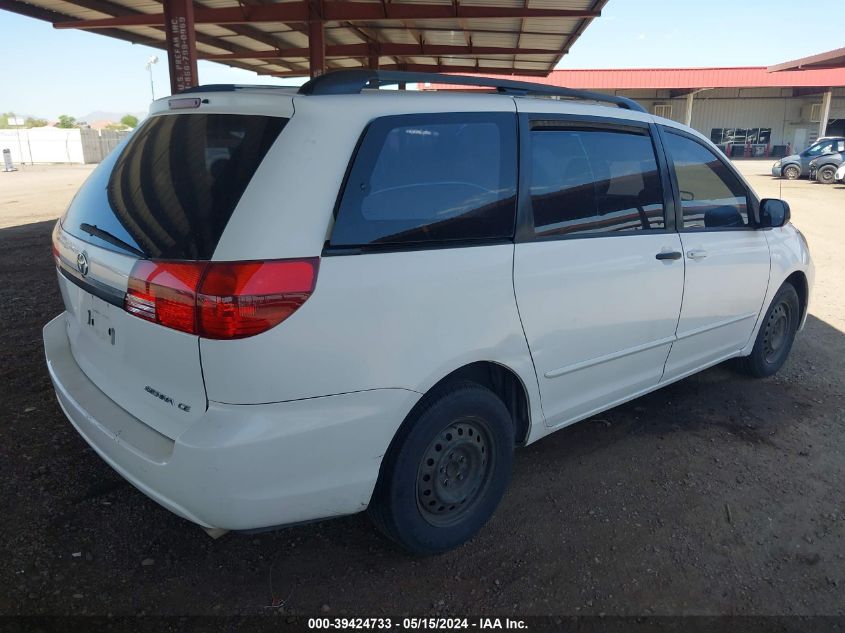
pixel 711 195
pixel 431 178
pixel 589 181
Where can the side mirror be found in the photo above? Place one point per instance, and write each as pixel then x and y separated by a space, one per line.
pixel 774 213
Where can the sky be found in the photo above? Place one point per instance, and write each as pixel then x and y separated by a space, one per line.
pixel 46 72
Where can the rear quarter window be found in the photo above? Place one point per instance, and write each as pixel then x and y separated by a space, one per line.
pixel 419 179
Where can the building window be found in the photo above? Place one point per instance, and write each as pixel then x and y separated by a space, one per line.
pixel 733 135
pixel 664 110
pixel 816 113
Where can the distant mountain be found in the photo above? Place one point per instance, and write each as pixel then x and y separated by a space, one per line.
pixel 101 115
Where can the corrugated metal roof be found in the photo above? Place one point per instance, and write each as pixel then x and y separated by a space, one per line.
pixel 829 59
pixel 687 78
pixel 530 45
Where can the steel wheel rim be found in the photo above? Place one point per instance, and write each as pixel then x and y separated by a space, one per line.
pixel 777 331
pixel 454 472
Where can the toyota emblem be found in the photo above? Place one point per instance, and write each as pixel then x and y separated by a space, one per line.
pixel 82 263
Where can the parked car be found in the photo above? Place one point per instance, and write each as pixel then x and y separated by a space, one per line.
pixel 839 177
pixel 369 299
pixel 824 168
pixel 798 165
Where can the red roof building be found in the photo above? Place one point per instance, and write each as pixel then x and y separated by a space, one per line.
pixel 746 110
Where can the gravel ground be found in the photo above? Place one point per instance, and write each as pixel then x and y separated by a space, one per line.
pixel 716 495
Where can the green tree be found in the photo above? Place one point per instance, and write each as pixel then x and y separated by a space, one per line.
pixel 34 122
pixel 66 121
pixel 130 121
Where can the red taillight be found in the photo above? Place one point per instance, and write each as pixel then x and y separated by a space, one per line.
pixel 57 257
pixel 242 299
pixel 220 300
pixel 165 293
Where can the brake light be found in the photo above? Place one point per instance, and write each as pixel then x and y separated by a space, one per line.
pixel 165 293
pixel 220 300
pixel 57 256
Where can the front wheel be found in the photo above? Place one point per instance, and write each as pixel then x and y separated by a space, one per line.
pixel 777 332
pixel 446 470
pixel 826 175
pixel 791 172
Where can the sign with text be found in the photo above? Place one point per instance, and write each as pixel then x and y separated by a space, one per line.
pixel 181 44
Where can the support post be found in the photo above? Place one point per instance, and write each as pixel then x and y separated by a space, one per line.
pixel 181 44
pixel 373 57
pixel 316 39
pixel 688 114
pixel 825 114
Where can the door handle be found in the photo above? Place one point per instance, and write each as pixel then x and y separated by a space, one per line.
pixel 668 255
pixel 697 254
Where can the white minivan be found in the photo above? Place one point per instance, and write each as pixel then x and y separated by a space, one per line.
pixel 282 305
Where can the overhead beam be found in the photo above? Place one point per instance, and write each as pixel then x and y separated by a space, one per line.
pixel 39 13
pixel 332 11
pixel 435 68
pixel 364 11
pixel 365 49
pixel 444 29
pixel 103 6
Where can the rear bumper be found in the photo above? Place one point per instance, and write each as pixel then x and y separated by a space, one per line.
pixel 240 466
pixel 776 171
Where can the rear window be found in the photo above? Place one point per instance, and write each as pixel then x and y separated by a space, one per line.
pixel 171 190
pixel 431 178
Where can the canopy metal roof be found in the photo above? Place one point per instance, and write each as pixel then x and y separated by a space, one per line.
pixel 830 59
pixel 519 37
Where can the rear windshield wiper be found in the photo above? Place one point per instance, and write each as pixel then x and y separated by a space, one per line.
pixel 94 230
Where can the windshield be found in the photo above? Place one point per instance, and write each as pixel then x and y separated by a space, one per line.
pixel 171 190
pixel 819 148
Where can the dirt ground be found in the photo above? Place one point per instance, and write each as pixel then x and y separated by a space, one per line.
pixel 716 495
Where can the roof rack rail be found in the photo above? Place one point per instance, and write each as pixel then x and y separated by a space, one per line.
pixel 230 88
pixel 347 82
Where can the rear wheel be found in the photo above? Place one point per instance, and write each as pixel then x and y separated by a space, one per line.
pixel 791 172
pixel 826 175
pixel 446 470
pixel 777 332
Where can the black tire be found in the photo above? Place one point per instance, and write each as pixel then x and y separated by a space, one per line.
pixel 826 175
pixel 791 172
pixel 776 335
pixel 462 433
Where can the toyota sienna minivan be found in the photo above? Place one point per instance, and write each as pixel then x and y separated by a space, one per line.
pixel 284 305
